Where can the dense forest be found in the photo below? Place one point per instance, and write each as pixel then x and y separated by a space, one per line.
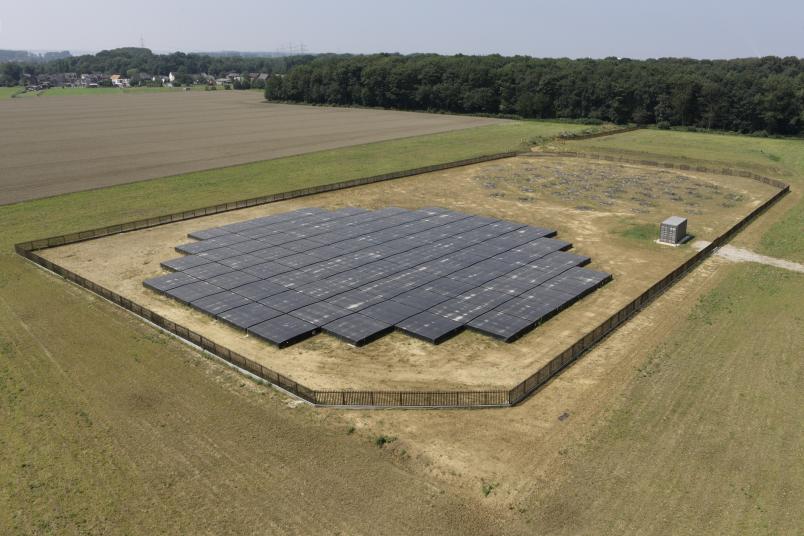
pixel 122 60
pixel 758 95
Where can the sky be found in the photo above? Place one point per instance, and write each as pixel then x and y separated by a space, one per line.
pixel 581 28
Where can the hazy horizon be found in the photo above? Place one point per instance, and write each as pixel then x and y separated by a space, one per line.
pixel 705 30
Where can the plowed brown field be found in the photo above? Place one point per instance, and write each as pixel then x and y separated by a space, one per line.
pixel 56 145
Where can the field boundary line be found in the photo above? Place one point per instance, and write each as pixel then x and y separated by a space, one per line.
pixel 401 398
pixel 579 137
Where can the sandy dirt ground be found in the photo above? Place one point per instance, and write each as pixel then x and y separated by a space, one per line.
pixel 56 145
pixel 735 254
pixel 618 199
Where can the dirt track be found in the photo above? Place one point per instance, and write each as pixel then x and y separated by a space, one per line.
pixel 56 145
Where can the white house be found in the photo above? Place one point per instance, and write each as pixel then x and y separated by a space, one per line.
pixel 119 81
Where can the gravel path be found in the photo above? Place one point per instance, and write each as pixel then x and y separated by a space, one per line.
pixel 743 255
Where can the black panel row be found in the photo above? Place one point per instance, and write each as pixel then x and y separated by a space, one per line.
pixel 359 274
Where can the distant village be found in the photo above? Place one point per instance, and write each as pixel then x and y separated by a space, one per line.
pixel 231 80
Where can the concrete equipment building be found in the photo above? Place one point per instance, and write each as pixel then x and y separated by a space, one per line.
pixel 673 230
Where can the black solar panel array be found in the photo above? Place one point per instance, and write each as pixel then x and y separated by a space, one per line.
pixel 359 274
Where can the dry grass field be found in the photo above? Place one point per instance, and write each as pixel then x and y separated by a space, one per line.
pixel 687 420
pixel 58 144
pixel 612 218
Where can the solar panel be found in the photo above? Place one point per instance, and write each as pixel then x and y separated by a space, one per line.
pixel 546 296
pixel 486 249
pixel 420 298
pixel 325 269
pixel 292 279
pixel 325 252
pixel 169 281
pixel 272 253
pixel 529 276
pixel 533 311
pixel 587 276
pixel 470 305
pixel 267 269
pixel 206 271
pixel 300 246
pixel 207 233
pixel 429 327
pixel 481 272
pixel 219 303
pixel 283 330
pixel 355 300
pixel 447 287
pixel 193 291
pixel 249 246
pixel 578 281
pixel 218 254
pixel 357 329
pixel 182 263
pixel 322 289
pixel 257 232
pixel 390 312
pixel 259 290
pixel 231 280
pixel 320 313
pixel 561 258
pixel 288 301
pixel 508 284
pixel 240 262
pixel 357 273
pixel 198 247
pixel 501 325
pixel 298 260
pixel 281 239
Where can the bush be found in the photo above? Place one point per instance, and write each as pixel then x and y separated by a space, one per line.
pixel 383 440
pixel 663 125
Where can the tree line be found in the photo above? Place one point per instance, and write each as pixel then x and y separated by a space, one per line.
pixel 31 57
pixel 123 60
pixel 755 95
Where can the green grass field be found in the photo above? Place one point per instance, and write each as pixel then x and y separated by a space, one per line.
pixel 707 437
pixel 7 92
pixel 110 427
